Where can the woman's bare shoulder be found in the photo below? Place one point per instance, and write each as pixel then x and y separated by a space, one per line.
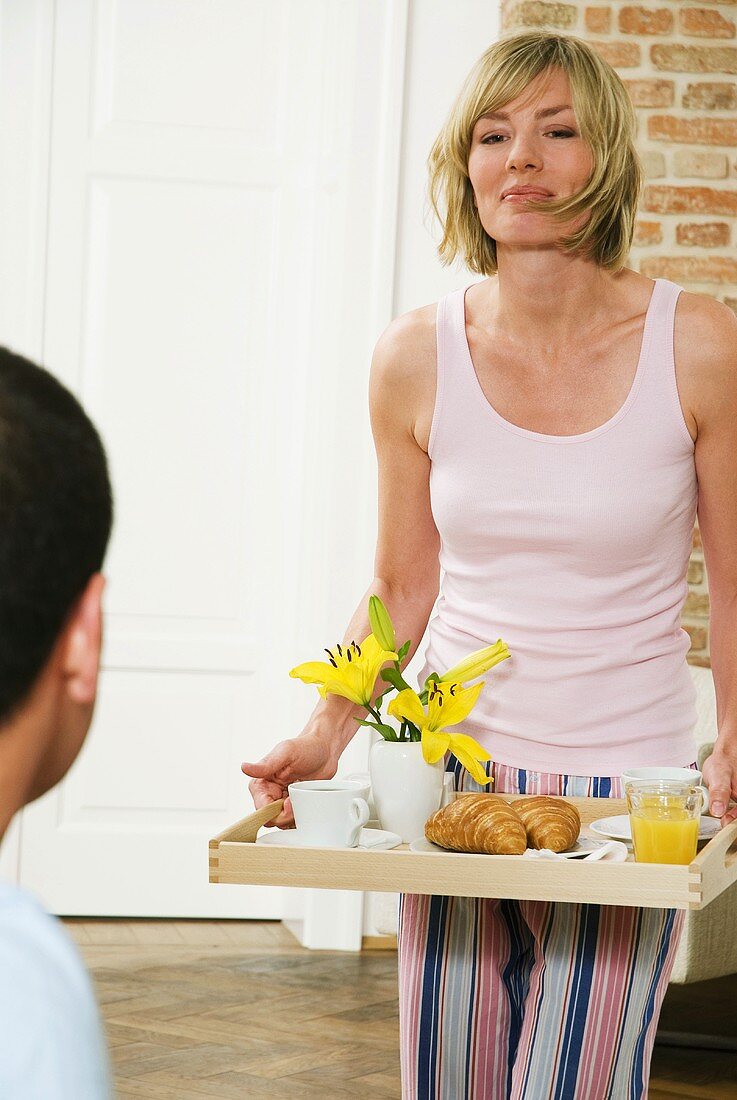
pixel 407 341
pixel 705 348
pixel 404 369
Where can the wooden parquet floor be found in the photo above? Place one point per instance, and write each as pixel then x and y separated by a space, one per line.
pixel 239 1011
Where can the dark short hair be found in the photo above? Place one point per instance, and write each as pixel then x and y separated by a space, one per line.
pixel 55 518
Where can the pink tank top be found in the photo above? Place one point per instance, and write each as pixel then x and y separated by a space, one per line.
pixel 574 550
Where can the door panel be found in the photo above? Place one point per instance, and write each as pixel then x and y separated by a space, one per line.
pixel 219 170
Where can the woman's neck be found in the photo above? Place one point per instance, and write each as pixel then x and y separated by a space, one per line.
pixel 545 299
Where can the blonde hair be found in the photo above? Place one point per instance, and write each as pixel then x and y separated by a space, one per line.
pixel 607 122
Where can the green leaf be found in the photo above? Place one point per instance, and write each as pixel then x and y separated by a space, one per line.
pixel 395 678
pixel 402 653
pixel 387 732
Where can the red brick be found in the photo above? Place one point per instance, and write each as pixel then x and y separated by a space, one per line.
pixel 703 234
pixel 651 93
pixel 635 20
pixel 696 538
pixel 710 97
pixel 699 637
pixel 598 20
pixel 696 605
pixel 693 131
pixel 695 572
pixel 662 199
pixel 693 162
pixel 647 233
pixel 620 55
pixel 705 23
pixel 537 13
pixel 690 269
pixel 695 59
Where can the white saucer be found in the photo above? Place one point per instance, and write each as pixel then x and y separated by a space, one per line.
pixel 373 839
pixel 619 827
pixel 583 847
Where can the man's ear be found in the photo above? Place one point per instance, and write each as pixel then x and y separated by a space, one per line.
pixel 82 643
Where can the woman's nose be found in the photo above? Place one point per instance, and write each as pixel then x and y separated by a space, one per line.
pixel 522 154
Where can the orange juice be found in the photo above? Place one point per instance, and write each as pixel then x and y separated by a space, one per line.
pixel 664 834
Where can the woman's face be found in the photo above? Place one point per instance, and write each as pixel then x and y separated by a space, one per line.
pixel 531 143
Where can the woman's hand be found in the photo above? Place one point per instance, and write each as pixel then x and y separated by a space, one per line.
pixel 720 776
pixel 309 756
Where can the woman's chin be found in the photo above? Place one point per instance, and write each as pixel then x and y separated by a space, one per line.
pixel 529 242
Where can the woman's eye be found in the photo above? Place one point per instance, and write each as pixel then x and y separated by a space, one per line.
pixel 494 139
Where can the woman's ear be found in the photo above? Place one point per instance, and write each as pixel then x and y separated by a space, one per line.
pixel 83 642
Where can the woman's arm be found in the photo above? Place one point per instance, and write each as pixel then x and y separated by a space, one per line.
pixel 406 567
pixel 406 564
pixel 712 341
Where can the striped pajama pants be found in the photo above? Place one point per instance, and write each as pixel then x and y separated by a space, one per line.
pixel 529 1000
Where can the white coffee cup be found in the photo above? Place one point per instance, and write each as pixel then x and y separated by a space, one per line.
pixel 691 776
pixel 365 780
pixel 329 813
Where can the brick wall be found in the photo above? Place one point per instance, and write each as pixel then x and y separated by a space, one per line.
pixel 678 59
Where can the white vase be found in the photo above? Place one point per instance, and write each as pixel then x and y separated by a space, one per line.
pixel 406 790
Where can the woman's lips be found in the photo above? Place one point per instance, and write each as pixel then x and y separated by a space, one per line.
pixel 535 196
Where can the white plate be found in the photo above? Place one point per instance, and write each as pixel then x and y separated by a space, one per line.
pixel 583 847
pixel 422 844
pixel 619 827
pixel 375 839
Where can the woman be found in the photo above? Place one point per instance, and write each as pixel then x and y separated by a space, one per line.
pixel 546 435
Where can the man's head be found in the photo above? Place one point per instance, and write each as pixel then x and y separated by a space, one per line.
pixel 55 520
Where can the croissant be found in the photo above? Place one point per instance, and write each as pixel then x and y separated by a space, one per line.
pixel 550 822
pixel 478 823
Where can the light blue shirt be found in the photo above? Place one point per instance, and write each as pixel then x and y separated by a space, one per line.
pixel 52 1045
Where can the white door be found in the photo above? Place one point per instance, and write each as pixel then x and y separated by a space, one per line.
pixel 211 163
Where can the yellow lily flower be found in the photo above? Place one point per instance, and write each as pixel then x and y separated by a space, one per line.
pixel 350 672
pixel 476 664
pixel 447 704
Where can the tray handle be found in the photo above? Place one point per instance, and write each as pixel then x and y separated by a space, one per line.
pixel 247 829
pixel 717 852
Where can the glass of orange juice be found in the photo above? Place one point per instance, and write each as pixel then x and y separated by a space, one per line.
pixel 665 820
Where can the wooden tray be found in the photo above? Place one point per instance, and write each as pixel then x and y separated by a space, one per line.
pixel 234 857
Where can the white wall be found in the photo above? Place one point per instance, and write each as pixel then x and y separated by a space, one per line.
pixel 445 38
